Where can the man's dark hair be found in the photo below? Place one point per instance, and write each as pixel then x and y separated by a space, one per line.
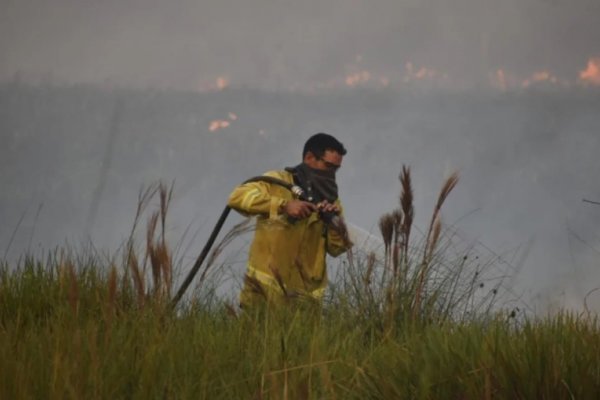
pixel 319 143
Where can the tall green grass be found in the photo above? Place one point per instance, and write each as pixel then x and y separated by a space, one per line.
pixel 79 325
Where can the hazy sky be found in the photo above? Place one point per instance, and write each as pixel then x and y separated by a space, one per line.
pixel 275 44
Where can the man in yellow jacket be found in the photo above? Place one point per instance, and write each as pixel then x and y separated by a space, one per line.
pixel 292 239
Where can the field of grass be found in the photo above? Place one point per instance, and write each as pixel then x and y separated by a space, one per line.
pixel 79 325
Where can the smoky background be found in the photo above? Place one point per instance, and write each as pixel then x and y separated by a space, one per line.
pixel 98 99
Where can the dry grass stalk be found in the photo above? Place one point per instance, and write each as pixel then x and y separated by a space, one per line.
pixel 446 189
pixel 111 301
pixel 237 230
pixel 157 251
pixel 437 230
pixel 433 234
pixel 137 276
pixel 279 281
pixel 162 269
pixel 112 289
pixel 371 261
pixel 73 287
pixel 144 197
pixel 339 225
pixel 151 253
pixel 165 200
pixel 158 254
pixel 255 286
pixel 397 218
pixel 230 310
pixel 163 252
pixel 167 269
pixel 406 203
pixel 386 227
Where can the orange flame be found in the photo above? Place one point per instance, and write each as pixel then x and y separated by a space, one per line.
pixel 358 78
pixel 218 124
pixel 422 74
pixel 538 77
pixel 222 82
pixel 591 75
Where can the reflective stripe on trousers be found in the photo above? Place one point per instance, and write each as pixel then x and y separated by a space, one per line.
pixel 270 281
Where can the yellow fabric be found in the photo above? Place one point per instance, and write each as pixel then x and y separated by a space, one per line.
pixel 295 251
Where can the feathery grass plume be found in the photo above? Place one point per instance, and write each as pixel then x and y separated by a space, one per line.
pixel 437 229
pixel 157 251
pixel 386 227
pixel 164 253
pixel 406 203
pixel 432 236
pixel 145 195
pixel 165 200
pixel 449 184
pixel 371 261
pixel 162 269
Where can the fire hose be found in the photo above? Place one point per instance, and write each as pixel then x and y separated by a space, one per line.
pixel 329 218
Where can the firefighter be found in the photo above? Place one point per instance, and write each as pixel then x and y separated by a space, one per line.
pixel 293 237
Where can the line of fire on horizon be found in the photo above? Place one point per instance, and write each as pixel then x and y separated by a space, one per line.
pixel 499 80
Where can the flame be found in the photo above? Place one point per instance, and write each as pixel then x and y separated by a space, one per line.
pixel 218 124
pixel 222 82
pixel 591 75
pixel 540 76
pixel 358 78
pixel 412 74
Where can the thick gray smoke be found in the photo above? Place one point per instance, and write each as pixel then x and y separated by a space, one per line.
pixel 75 150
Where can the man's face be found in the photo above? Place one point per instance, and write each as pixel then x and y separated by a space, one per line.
pixel 330 161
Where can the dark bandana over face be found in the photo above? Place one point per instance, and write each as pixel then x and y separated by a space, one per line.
pixel 318 184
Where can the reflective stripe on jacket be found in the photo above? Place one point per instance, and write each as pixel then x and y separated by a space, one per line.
pixel 294 250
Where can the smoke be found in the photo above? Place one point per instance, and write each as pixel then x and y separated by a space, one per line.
pixel 210 93
pixel 187 44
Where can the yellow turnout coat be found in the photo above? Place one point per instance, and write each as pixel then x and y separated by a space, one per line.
pixel 293 252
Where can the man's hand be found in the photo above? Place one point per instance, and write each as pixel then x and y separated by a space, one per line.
pixel 327 207
pixel 299 209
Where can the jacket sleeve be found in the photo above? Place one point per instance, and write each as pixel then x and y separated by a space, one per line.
pixel 335 243
pixel 255 198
